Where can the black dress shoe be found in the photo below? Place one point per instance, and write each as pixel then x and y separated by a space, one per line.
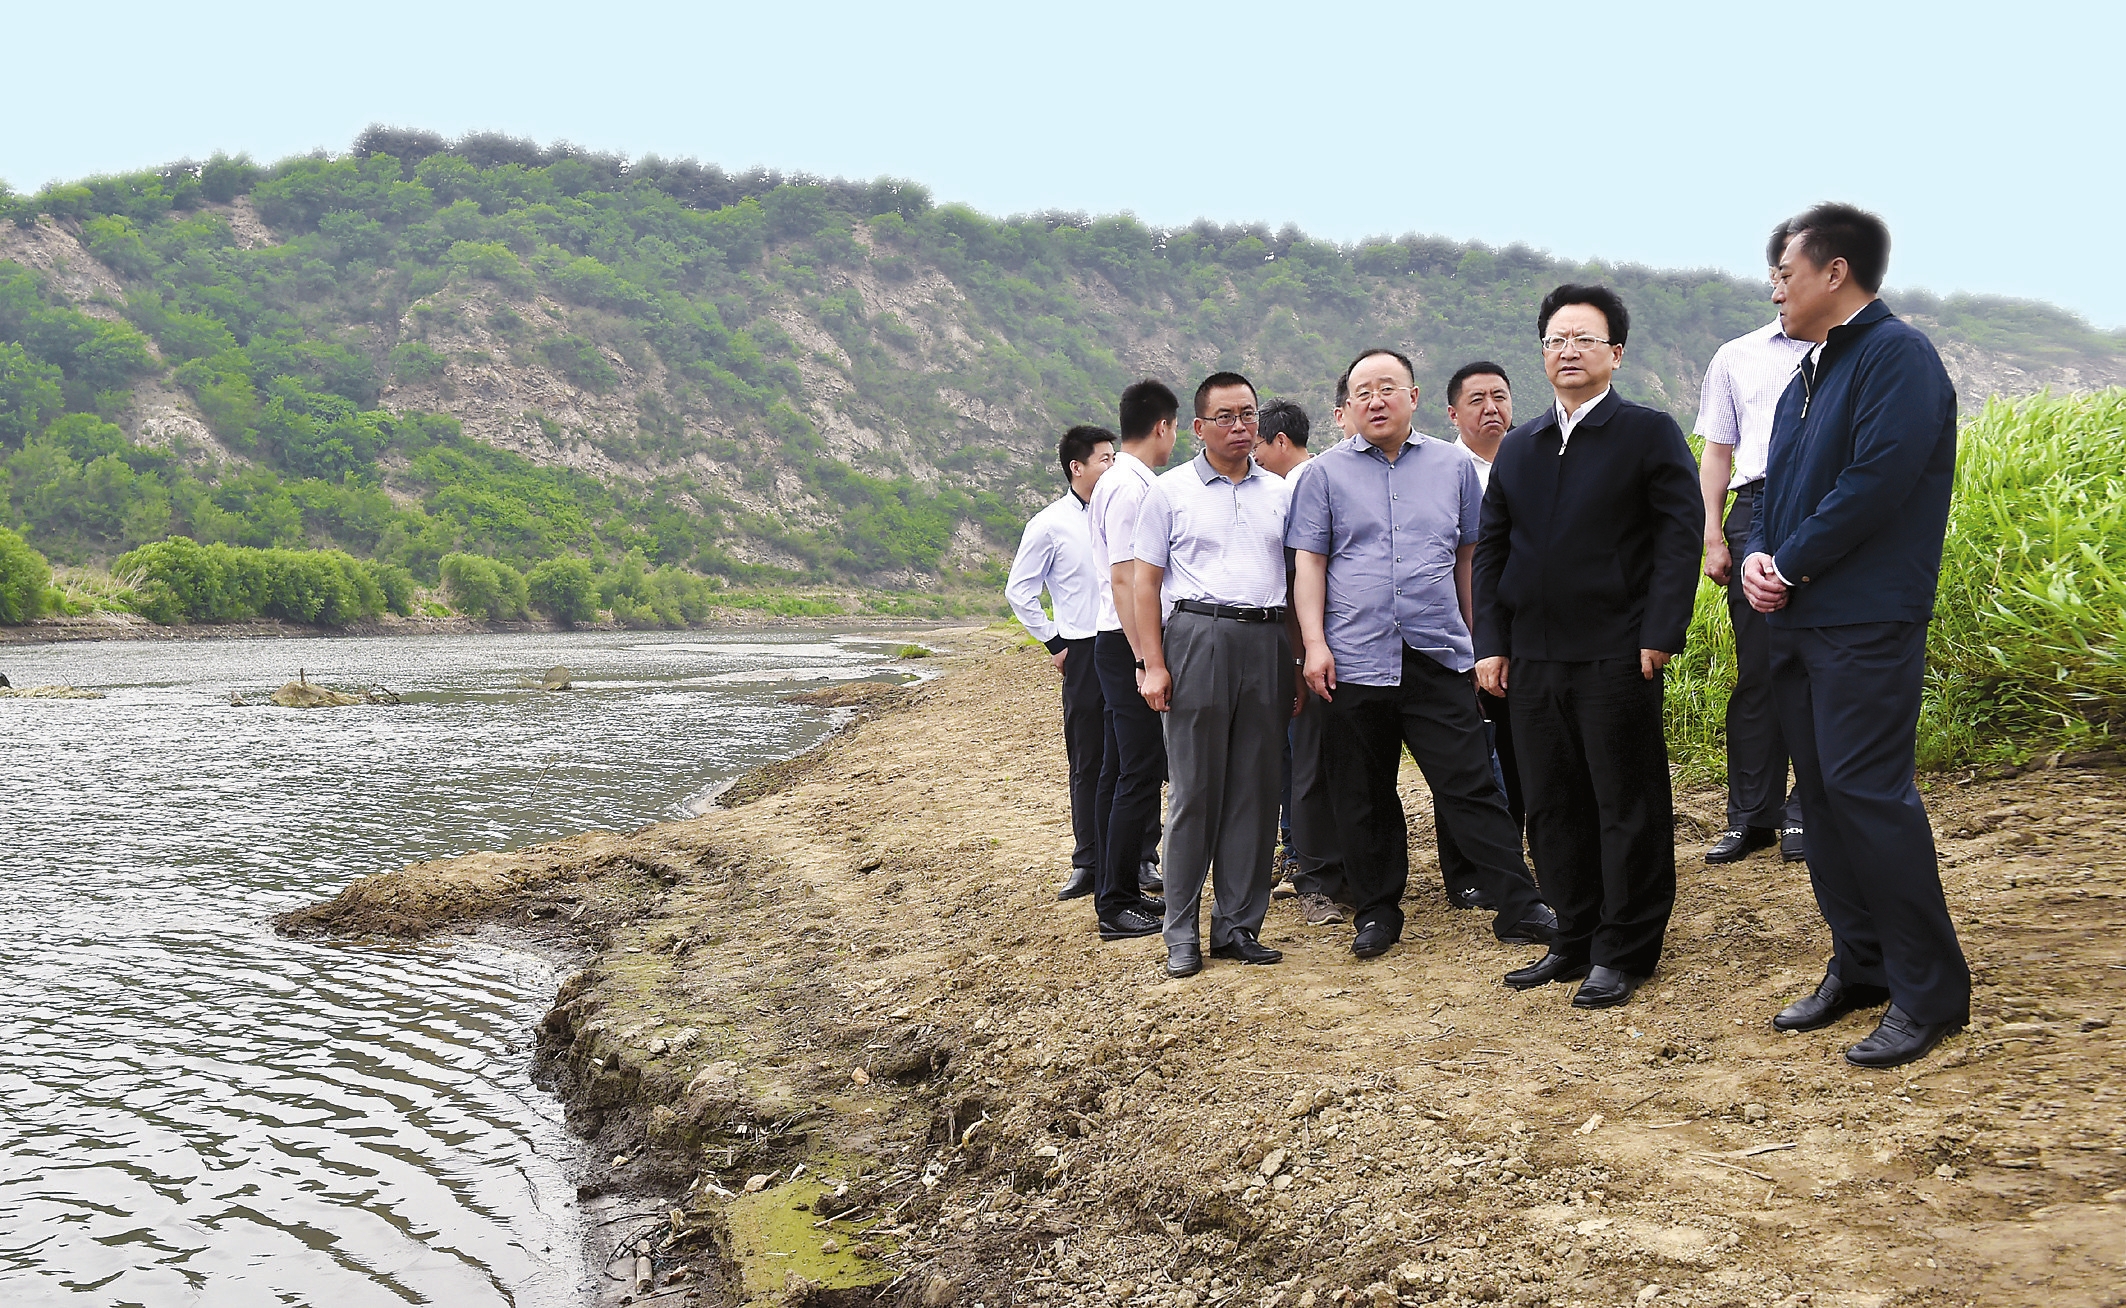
pixel 1606 987
pixel 1550 967
pixel 1079 886
pixel 1899 1040
pixel 1152 908
pixel 1149 882
pixel 1184 960
pixel 1373 940
pixel 1245 948
pixel 1734 846
pixel 1791 847
pixel 1129 924
pixel 1470 897
pixel 1540 927
pixel 1833 999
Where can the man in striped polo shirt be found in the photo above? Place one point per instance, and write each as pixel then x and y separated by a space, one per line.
pixel 1211 623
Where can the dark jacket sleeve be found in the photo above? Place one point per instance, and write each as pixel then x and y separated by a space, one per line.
pixel 1494 625
pixel 1678 508
pixel 1899 413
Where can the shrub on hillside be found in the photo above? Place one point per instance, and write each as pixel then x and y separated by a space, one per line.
pixel 24 578
pixel 562 589
pixel 483 588
pixel 181 580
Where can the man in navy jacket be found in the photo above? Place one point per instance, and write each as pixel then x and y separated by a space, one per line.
pixel 1586 568
pixel 1843 561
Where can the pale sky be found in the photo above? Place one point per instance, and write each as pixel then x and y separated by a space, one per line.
pixel 1673 135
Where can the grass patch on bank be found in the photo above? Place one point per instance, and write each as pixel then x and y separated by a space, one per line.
pixel 2024 656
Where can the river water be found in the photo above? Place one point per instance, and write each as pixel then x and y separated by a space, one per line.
pixel 196 1111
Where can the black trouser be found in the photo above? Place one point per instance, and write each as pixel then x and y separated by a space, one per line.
pixel 1757 794
pixel 1084 743
pixel 1455 868
pixel 1434 714
pixel 1313 838
pixel 1601 815
pixel 1849 705
pixel 1131 773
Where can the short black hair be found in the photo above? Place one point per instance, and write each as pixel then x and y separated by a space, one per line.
pixel 1077 446
pixel 1286 419
pixel 1601 297
pixel 1842 231
pixel 1481 368
pixel 1775 249
pixel 1216 380
pixel 1146 404
pixel 1343 385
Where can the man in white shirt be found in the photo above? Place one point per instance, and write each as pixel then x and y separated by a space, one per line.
pixel 1127 801
pixel 1212 631
pixel 1314 857
pixel 1056 554
pixel 1742 389
pixel 1480 405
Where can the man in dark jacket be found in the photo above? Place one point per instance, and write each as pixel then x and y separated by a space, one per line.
pixel 1586 569
pixel 1843 561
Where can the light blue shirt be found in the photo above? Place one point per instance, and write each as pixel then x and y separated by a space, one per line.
pixel 1390 531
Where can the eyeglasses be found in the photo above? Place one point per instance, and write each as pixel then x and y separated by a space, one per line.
pixel 1228 421
pixel 1557 344
pixel 1386 393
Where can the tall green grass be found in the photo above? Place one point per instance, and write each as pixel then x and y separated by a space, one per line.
pixel 2027 652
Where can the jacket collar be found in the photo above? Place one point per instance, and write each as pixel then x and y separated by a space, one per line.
pixel 1598 415
pixel 1844 333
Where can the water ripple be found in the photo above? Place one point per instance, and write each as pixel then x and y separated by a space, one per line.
pixel 198 1112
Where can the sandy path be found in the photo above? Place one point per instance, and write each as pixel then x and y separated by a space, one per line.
pixel 1404 1130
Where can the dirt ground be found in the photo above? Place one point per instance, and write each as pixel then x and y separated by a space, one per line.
pixel 841 1044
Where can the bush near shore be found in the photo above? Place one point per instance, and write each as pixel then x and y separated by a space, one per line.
pixel 2025 652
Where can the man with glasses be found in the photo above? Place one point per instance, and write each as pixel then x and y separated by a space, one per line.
pixel 1585 578
pixel 1211 622
pixel 1742 388
pixel 1384 530
pixel 1308 827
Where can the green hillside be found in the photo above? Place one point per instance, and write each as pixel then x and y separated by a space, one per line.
pixel 490 348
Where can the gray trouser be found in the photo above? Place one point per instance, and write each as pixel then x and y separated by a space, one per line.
pixel 1314 836
pixel 1232 695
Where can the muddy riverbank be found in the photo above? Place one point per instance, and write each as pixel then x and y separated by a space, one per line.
pixel 841 1041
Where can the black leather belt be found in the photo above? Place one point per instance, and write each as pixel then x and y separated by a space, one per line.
pixel 1230 611
pixel 1750 487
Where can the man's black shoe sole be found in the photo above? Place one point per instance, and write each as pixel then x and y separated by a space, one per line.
pixel 1242 958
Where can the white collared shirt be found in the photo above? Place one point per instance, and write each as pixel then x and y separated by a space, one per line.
pixel 1568 421
pixel 1056 552
pixel 1483 465
pixel 1220 541
pixel 1742 387
pixel 1117 497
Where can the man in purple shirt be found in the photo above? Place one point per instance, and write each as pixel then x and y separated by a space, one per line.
pixel 1385 528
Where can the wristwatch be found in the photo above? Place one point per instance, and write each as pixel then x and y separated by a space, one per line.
pixel 1140 665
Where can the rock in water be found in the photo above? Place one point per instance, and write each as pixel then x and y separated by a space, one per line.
pixel 558 677
pixel 49 692
pixel 308 694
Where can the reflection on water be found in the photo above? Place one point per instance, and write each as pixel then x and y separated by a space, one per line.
pixel 194 1111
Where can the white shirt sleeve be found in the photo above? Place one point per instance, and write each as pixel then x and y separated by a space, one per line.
pixel 1717 420
pixel 1029 572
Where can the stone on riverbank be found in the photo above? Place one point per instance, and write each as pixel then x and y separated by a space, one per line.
pixel 308 694
pixel 48 692
pixel 558 677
